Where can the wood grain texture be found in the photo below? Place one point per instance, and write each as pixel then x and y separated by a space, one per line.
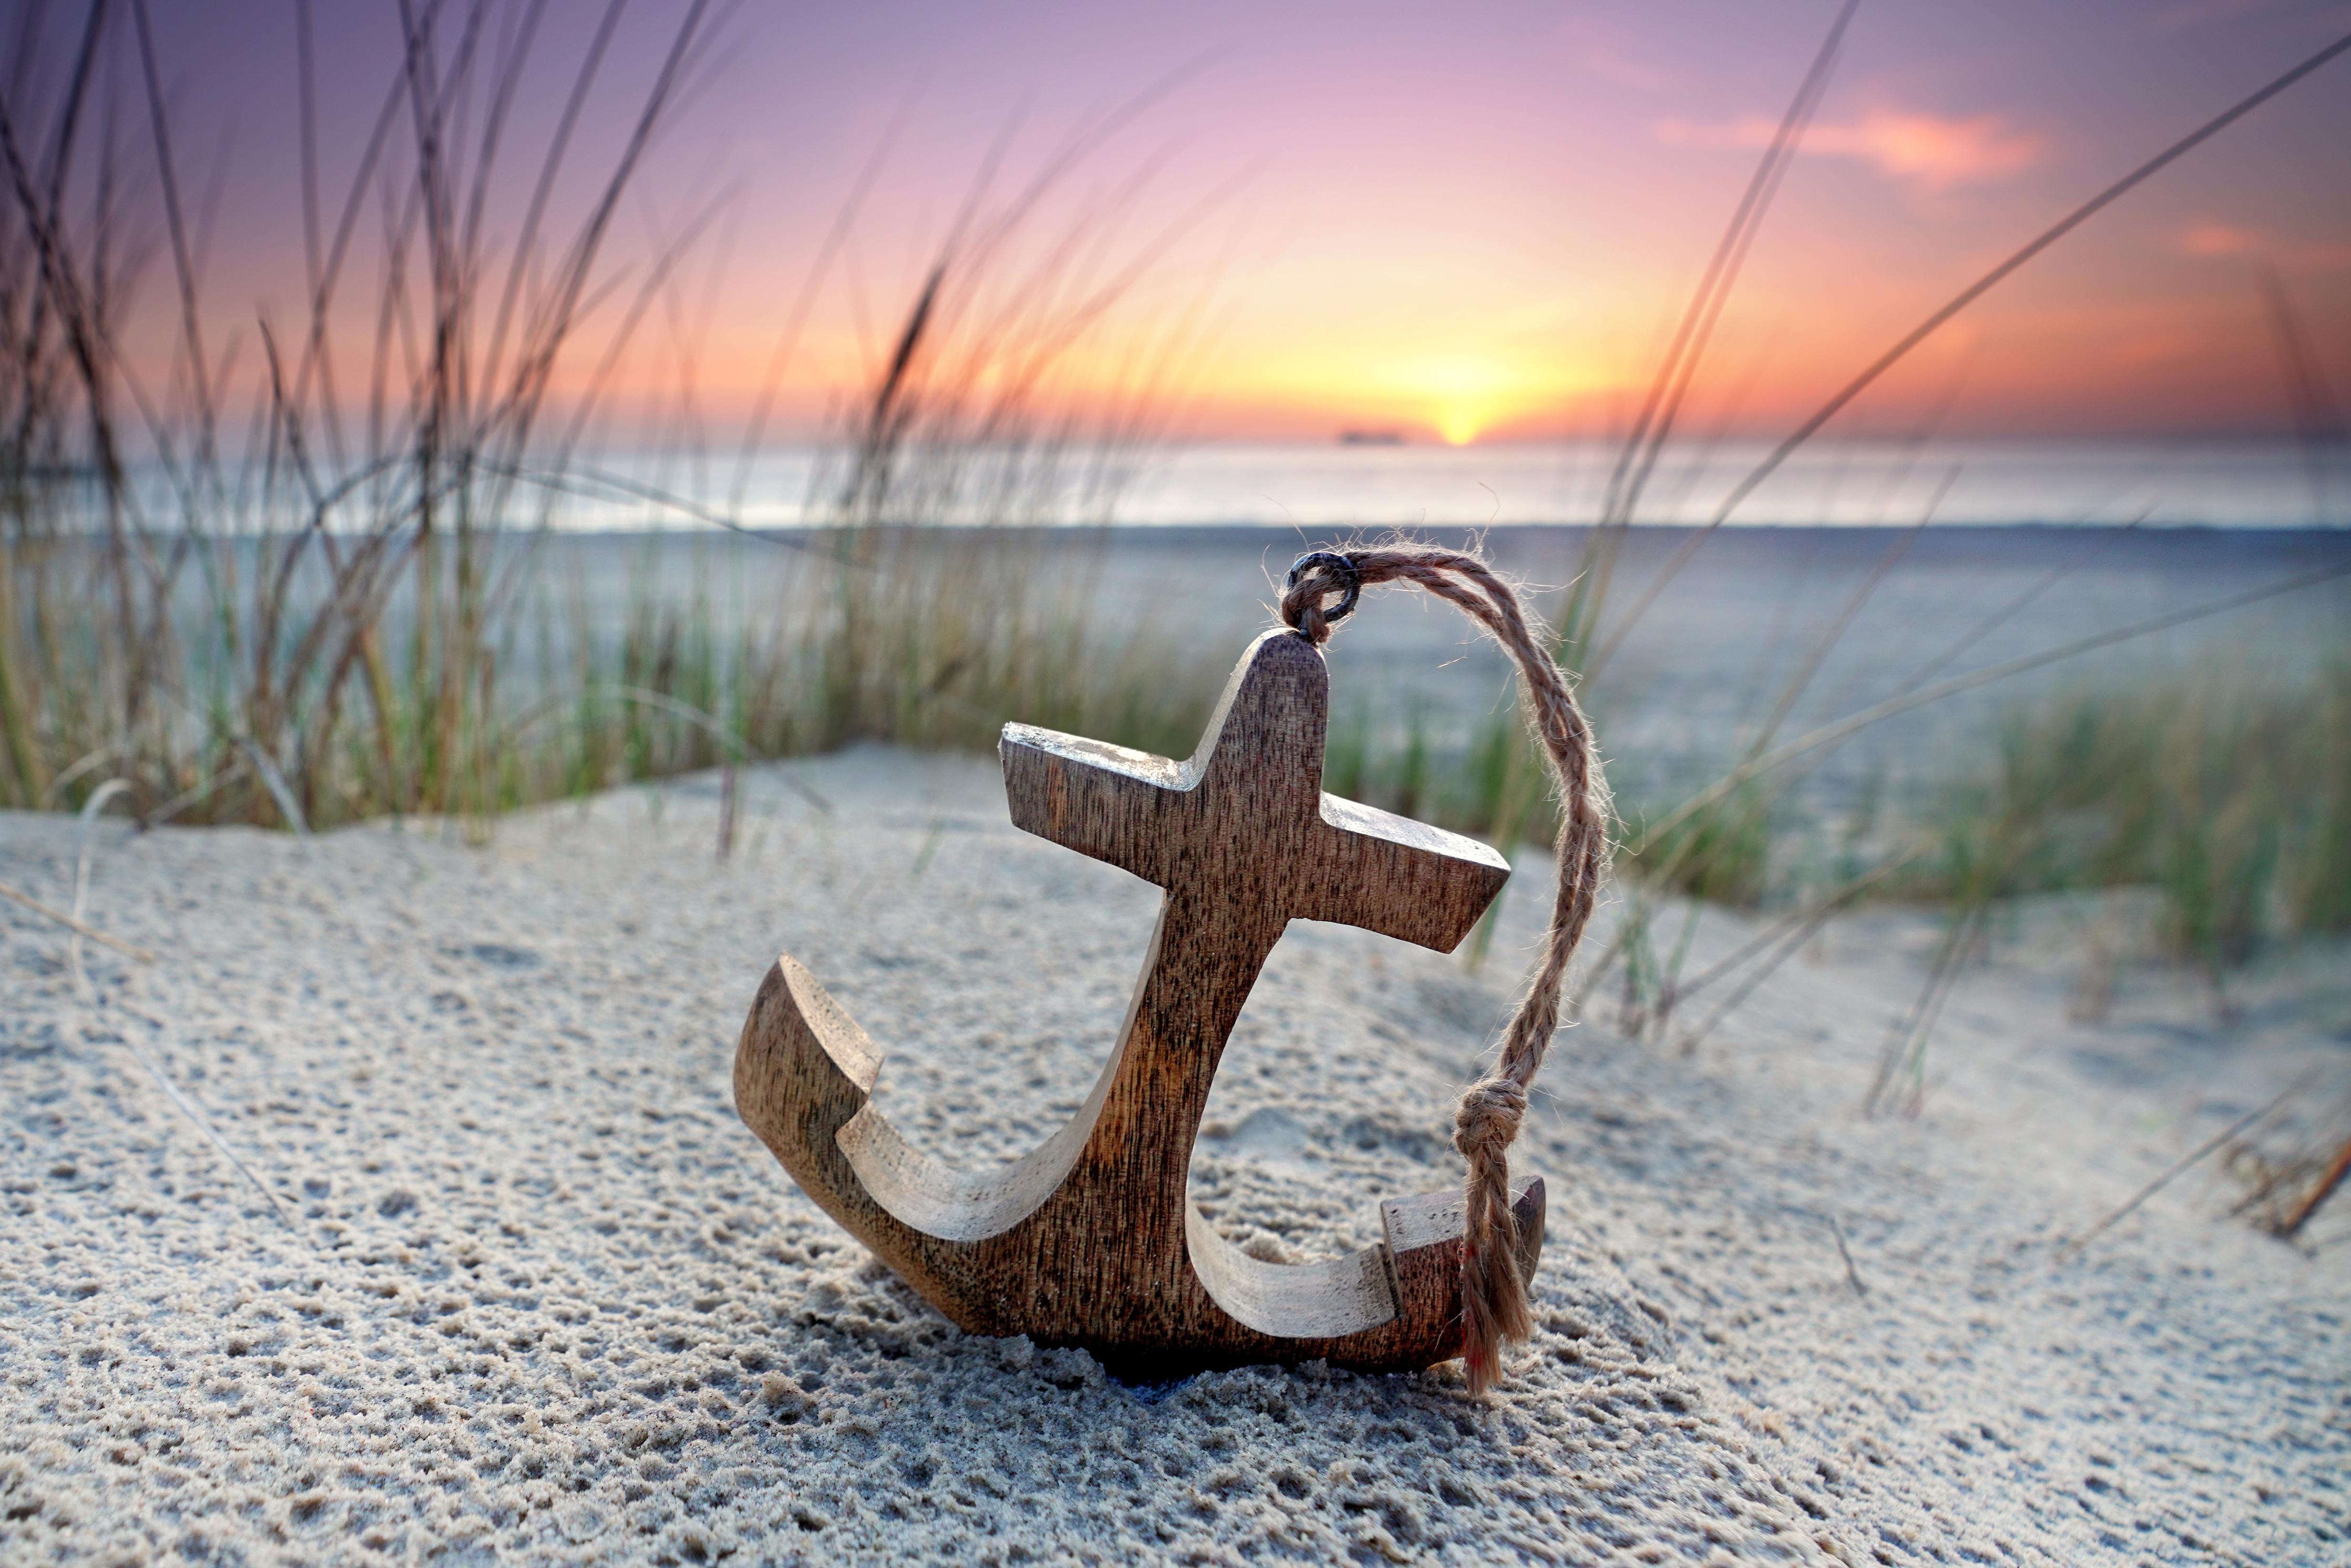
pixel 1092 1239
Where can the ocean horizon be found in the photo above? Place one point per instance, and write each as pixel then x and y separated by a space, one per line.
pixel 1857 483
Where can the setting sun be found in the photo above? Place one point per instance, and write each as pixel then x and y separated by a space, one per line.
pixel 1460 426
pixel 1466 395
pixel 1456 397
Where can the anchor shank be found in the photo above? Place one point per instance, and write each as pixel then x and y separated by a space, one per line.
pixel 1138 1160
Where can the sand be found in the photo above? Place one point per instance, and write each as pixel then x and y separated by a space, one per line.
pixel 537 1295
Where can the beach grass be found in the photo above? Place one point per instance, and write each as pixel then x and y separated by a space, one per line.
pixel 2229 797
pixel 348 611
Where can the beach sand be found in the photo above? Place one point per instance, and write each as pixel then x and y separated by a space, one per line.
pixel 533 1293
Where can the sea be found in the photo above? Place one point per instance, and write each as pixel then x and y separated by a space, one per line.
pixel 1849 483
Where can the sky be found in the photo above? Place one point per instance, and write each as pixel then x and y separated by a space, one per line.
pixel 1468 221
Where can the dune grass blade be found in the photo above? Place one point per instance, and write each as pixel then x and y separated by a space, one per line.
pixel 78 927
pixel 203 1123
pixel 2330 1180
pixel 1653 426
pixel 1776 943
pixel 2180 1167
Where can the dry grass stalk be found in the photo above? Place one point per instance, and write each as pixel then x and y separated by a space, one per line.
pixel 2324 1187
pixel 2179 1167
pixel 78 927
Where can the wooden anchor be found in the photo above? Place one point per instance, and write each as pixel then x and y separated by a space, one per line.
pixel 1092 1239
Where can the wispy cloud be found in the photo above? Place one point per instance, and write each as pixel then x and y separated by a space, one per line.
pixel 2221 239
pixel 2211 240
pixel 1936 151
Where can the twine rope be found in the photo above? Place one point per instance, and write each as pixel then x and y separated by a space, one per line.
pixel 1494 1309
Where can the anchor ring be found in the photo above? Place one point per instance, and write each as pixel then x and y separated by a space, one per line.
pixel 1349 580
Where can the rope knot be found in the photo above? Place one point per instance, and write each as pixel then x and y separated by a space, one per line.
pixel 1311 577
pixel 1487 1120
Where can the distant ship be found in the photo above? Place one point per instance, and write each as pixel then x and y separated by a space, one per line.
pixel 1370 439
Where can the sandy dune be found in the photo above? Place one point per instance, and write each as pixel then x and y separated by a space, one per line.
pixel 537 1294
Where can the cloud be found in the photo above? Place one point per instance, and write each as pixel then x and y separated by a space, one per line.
pixel 1935 151
pixel 2221 239
pixel 2211 240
